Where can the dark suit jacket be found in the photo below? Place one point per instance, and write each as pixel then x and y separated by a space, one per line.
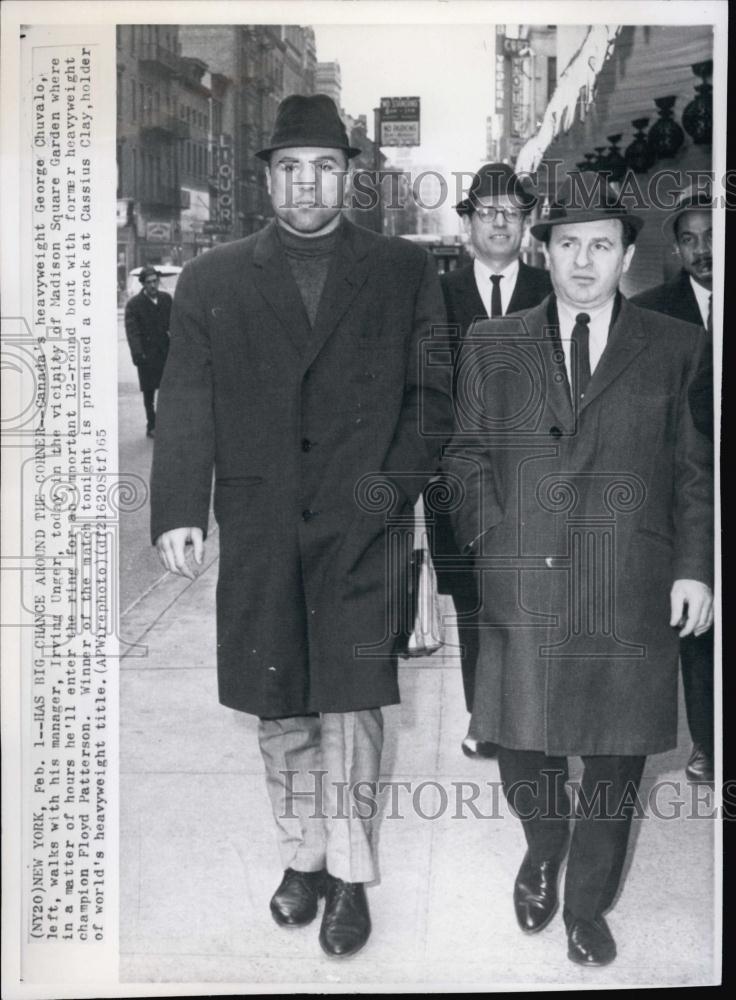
pixel 464 304
pixel 673 298
pixel 298 424
pixel 617 504
pixel 677 298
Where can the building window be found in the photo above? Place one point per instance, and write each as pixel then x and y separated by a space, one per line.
pixel 119 97
pixel 133 104
pixel 132 39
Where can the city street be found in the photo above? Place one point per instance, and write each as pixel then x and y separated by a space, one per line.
pixel 198 860
pixel 139 566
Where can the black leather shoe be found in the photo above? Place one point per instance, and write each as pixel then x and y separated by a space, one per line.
pixel 150 432
pixel 535 893
pixel 295 902
pixel 478 748
pixel 700 766
pixel 346 923
pixel 589 942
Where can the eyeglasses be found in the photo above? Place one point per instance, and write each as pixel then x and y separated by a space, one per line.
pixel 489 213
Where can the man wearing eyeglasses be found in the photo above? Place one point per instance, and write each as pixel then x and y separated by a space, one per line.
pixel 495 216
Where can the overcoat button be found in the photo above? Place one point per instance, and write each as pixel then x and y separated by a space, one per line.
pixel 306 444
pixel 307 515
pixel 555 432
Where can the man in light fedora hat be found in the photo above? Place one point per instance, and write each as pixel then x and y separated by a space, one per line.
pixel 689 297
pixel 296 375
pixel 495 216
pixel 589 511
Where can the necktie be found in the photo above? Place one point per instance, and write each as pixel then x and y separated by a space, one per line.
pixel 580 358
pixel 496 304
pixel 709 325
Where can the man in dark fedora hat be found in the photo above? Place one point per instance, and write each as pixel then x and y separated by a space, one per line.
pixel 588 507
pixel 495 215
pixel 147 317
pixel 297 375
pixel 689 297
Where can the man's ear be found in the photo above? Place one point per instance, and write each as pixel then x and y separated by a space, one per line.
pixel 347 180
pixel 268 178
pixel 628 257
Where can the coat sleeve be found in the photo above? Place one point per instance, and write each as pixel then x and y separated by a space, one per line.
pixel 694 493
pixel 425 421
pixel 184 448
pixel 132 328
pixel 467 461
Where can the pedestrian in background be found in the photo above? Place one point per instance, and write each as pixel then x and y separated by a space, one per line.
pixel 147 317
pixel 497 282
pixel 689 296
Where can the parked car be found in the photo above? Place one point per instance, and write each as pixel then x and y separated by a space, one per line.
pixel 169 276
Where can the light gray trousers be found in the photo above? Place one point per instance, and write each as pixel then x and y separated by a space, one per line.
pixel 315 767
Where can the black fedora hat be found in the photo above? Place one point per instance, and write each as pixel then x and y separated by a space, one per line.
pixel 147 272
pixel 585 197
pixel 308 121
pixel 492 181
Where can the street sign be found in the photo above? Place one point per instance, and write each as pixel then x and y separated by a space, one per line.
pixel 400 121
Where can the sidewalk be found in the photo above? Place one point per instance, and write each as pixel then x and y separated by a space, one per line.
pixel 199 860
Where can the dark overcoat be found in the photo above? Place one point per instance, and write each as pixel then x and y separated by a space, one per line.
pixel 580 529
pixel 465 307
pixel 147 330
pixel 316 437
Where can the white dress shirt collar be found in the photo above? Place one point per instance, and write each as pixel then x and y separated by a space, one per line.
pixel 483 282
pixel 600 322
pixel 702 297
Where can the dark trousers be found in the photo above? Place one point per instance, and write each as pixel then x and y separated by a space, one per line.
pixel 149 396
pixel 465 598
pixel 696 659
pixel 534 785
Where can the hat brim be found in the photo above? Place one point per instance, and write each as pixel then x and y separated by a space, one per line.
pixel 467 206
pixel 695 204
pixel 540 231
pixel 265 154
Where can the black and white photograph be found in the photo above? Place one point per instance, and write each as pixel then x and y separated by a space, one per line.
pixel 362 456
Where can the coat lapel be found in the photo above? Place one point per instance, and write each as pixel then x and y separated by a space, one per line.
pixel 468 303
pixel 348 272
pixel 523 296
pixel 274 280
pixel 626 339
pixel 689 309
pixel 544 325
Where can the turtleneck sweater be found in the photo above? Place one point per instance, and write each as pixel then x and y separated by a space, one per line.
pixel 309 259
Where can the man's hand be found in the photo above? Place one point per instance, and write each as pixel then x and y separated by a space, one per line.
pixel 692 607
pixel 172 546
